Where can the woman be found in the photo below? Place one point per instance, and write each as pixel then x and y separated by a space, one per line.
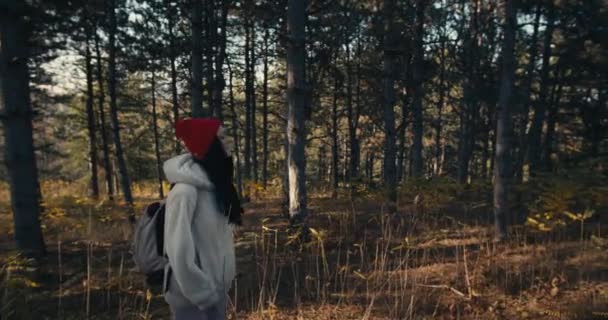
pixel 200 211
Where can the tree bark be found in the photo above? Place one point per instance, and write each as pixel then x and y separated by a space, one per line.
pixel 502 174
pixel 107 164
pixel 321 165
pixel 247 130
pixel 523 123
pixel 196 81
pixel 296 96
pixel 210 41
pixel 388 74
pixel 334 137
pixel 159 170
pixel 265 111
pixel 235 134
pixel 534 142
pixel 120 159
pixel 467 124
pixel 219 63
pixel 253 104
pixel 18 136
pixel 94 184
pixel 172 58
pixel 418 94
pixel 438 170
pixel 549 146
pixel 353 115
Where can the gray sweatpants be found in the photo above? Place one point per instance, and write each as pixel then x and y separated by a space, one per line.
pixel 217 312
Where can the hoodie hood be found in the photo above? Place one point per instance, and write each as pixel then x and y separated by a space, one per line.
pixel 183 169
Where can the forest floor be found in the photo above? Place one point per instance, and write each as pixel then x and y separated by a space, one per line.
pixel 424 262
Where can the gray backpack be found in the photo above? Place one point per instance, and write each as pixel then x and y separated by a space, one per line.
pixel 147 246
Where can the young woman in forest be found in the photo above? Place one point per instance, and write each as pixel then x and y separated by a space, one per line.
pixel 201 209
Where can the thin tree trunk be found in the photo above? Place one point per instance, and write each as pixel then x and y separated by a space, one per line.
pixel 321 165
pixel 371 160
pixel 16 114
pixel 388 74
pixel 219 63
pixel 467 124
pixel 159 170
pixel 595 124
pixel 122 165
pixel 535 135
pixel 485 154
pixel 91 118
pixel 254 135
pixel 353 115
pixel 211 36
pixel 235 135
pixel 107 164
pixel 440 105
pixel 406 105
pixel 352 130
pixel 196 85
pixel 549 146
pixel 502 174
pixel 296 93
pixel 403 147
pixel 172 58
pixel 418 94
pixel 334 137
pixel 247 154
pixel 523 123
pixel 265 112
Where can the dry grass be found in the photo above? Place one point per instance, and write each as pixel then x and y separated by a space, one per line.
pixel 422 263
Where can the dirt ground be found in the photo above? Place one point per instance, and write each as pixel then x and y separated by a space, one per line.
pixel 357 263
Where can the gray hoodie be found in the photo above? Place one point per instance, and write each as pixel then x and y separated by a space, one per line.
pixel 198 239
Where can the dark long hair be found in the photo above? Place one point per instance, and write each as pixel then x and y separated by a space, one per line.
pixel 219 168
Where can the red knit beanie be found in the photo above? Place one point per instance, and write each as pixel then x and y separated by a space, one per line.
pixel 197 134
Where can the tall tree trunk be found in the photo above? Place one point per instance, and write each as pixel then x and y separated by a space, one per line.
pixel 254 135
pixel 485 153
pixel 388 74
pixel 549 146
pixel 418 94
pixel 334 137
pixel 403 147
pixel 523 123
pixel 534 141
pixel 296 96
pixel 219 62
pixel 210 20
pixel 107 164
pixel 467 119
pixel 159 170
pixel 371 159
pixel 352 130
pixel 16 114
pixel 592 114
pixel 440 105
pixel 353 115
pixel 91 118
pixel 265 111
pixel 321 165
pixel 196 85
pixel 120 159
pixel 172 58
pixel 247 130
pixel 235 135
pixel 502 174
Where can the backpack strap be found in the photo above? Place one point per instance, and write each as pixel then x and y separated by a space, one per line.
pixel 159 228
